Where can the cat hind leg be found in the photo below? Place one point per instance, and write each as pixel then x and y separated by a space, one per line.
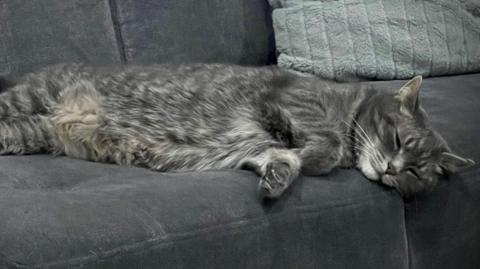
pixel 277 167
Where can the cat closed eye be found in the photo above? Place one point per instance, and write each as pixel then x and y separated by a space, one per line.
pixel 412 171
pixel 409 142
pixel 398 143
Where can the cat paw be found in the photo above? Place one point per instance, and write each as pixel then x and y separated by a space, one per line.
pixel 276 180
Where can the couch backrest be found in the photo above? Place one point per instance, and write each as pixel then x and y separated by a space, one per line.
pixel 36 33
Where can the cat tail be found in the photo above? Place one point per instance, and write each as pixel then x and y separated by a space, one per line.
pixel 25 135
pixel 29 97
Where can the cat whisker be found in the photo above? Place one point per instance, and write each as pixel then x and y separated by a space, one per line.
pixel 374 157
pixel 372 153
pixel 360 135
pixel 366 143
pixel 363 130
pixel 364 151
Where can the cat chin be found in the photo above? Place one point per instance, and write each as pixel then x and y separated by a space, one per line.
pixel 369 172
pixel 367 169
pixel 389 180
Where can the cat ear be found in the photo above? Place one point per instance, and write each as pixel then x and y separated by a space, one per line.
pixel 408 95
pixel 452 163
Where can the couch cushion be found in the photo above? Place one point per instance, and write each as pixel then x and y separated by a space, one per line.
pixel 38 33
pixel 57 212
pixel 443 226
pixel 378 39
pixel 234 31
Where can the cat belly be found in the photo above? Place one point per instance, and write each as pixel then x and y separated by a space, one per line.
pixel 76 120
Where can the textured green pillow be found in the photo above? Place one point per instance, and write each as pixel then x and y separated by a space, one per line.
pixel 383 39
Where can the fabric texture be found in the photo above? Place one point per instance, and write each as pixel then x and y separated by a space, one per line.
pixel 61 212
pixel 58 212
pixel 233 31
pixel 378 39
pixel 37 33
pixel 443 226
pixel 42 32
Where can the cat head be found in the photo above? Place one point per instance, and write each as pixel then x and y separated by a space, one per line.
pixel 396 145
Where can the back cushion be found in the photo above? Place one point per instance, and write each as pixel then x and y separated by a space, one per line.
pixel 235 31
pixel 35 33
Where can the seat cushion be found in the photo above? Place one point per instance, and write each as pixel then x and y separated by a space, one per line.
pixel 443 226
pixel 58 212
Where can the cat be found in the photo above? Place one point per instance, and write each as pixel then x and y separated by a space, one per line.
pixel 195 117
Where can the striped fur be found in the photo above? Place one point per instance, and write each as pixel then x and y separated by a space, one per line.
pixel 193 117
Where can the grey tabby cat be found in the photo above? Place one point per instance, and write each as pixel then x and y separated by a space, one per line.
pixel 199 117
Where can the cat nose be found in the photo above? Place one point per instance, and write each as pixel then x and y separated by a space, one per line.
pixel 390 169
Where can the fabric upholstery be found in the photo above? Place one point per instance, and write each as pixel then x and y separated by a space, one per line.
pixel 234 31
pixel 60 212
pixel 383 39
pixel 36 33
pixel 57 212
pixel 443 227
pixel 42 32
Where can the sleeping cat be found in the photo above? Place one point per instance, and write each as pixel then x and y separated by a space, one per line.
pixel 197 117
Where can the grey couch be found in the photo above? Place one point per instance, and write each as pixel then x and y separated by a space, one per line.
pixel 58 212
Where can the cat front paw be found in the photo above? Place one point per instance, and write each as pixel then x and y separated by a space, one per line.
pixel 275 181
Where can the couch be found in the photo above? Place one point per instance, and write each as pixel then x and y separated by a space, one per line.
pixel 59 212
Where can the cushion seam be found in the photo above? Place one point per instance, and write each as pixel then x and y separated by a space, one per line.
pixel 113 6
